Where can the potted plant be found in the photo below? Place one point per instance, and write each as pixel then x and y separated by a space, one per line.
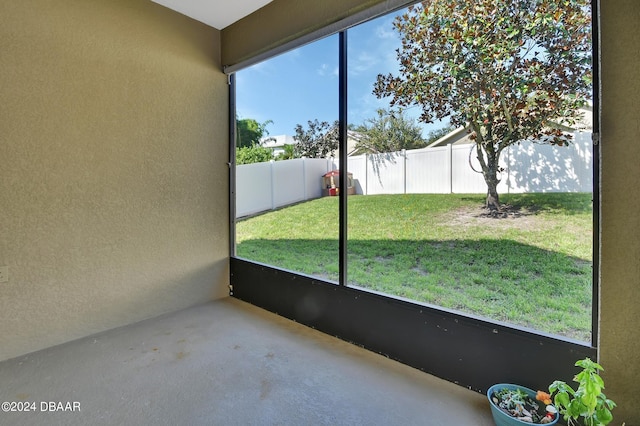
pixel 513 405
pixel 586 406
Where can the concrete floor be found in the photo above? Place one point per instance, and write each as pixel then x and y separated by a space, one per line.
pixel 227 363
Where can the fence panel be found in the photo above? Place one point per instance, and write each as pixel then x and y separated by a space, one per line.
pixel 288 182
pixel 464 180
pixel 528 167
pixel 358 166
pixel 253 188
pixel 429 171
pixel 546 168
pixel 266 186
pixel 583 160
pixel 385 173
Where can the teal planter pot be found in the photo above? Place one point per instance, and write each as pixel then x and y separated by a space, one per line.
pixel 503 419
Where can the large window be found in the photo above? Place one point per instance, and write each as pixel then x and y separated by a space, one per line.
pixel 469 163
pixel 286 118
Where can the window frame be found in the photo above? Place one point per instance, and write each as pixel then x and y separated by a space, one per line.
pixel 409 331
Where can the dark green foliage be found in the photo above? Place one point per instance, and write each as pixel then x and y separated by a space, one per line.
pixel 434 135
pixel 318 140
pixel 389 131
pixel 253 154
pixel 249 132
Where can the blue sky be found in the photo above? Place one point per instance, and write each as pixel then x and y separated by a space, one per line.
pixel 302 84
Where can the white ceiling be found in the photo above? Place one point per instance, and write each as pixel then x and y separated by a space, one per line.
pixel 216 13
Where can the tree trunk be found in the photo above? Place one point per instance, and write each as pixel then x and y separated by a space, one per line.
pixel 489 163
pixel 493 201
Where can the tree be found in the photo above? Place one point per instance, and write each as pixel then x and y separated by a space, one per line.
pixel 319 140
pixel 388 132
pixel 249 132
pixel 288 153
pixel 253 154
pixel 249 136
pixel 506 68
pixel 436 134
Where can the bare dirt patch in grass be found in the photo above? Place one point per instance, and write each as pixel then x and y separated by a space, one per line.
pixel 508 217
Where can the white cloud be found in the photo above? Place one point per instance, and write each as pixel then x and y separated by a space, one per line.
pixel 323 69
pixel 362 63
pixel 327 70
pixel 252 73
pixel 385 30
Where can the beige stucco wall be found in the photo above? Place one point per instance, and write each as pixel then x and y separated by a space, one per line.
pixel 113 190
pixel 113 182
pixel 619 350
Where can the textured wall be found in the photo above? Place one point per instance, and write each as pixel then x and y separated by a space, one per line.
pixel 114 187
pixel 620 220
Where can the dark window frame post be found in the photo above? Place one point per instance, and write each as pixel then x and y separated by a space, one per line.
pixel 343 179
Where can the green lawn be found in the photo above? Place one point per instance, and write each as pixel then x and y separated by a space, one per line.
pixel 532 268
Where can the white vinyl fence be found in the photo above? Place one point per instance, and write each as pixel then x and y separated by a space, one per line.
pixel 528 167
pixel 267 186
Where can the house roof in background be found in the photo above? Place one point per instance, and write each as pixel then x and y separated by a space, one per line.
pixel 277 141
pixel 216 13
pixel 451 137
pixel 461 135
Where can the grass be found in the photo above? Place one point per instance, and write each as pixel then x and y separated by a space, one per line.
pixel 532 268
